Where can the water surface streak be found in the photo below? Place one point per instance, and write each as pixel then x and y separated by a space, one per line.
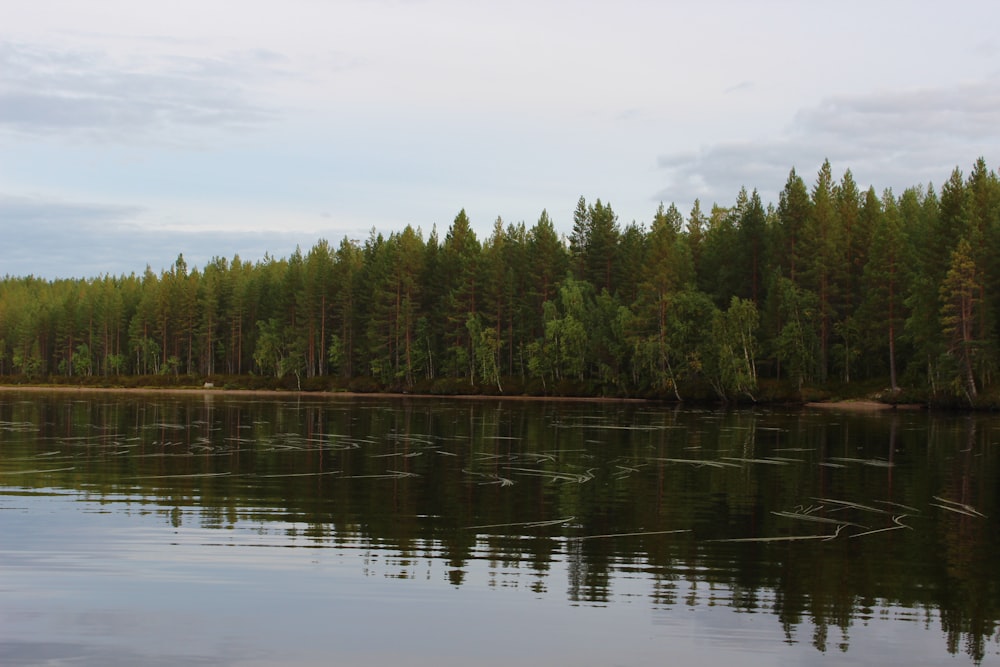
pixel 232 530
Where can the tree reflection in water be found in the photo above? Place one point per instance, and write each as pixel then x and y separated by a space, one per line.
pixel 829 519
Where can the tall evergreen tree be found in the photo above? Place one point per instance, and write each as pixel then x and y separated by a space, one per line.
pixel 212 295
pixel 314 301
pixel 824 260
pixel 346 275
pixel 718 265
pixel 549 261
pixel 959 297
pixel 983 213
pixel 885 283
pixel 794 209
pixel 520 314
pixel 496 298
pixel 632 256
pixel 601 260
pixel 855 235
pixel 460 267
pixel 751 241
pixel 697 223
pixel 920 212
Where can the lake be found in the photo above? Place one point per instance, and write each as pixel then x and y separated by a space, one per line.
pixel 221 529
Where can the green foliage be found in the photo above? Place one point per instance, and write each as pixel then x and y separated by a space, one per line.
pixel 594 245
pixel 794 209
pixel 733 371
pixel 834 284
pixel 335 353
pixel 272 348
pixel 486 346
pixel 886 280
pixel 959 309
pixel 796 344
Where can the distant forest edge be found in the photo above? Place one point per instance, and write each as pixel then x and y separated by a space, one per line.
pixel 833 288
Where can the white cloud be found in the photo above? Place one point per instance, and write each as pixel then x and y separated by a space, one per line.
pixel 249 116
pixel 55 238
pixel 89 93
pixel 890 138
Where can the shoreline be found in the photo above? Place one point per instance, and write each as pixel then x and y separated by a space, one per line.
pixel 850 405
pixel 863 405
pixel 218 391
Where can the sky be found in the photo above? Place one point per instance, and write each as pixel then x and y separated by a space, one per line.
pixel 132 132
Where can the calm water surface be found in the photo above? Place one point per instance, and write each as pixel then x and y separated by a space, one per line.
pixel 227 530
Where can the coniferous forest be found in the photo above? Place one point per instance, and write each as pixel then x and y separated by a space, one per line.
pixel 832 286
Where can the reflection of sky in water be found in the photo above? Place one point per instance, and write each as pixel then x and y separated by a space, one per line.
pixel 117 584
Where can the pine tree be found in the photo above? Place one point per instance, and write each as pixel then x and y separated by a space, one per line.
pixel 496 300
pixel 885 281
pixel 959 297
pixel 823 260
pixel 346 275
pixel 695 236
pixel 460 267
pixel 983 214
pixel 794 208
pixel 314 305
pixel 601 262
pixel 751 242
pixel 667 271
pixel 719 265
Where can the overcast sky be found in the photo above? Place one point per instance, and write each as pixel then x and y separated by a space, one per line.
pixel 131 132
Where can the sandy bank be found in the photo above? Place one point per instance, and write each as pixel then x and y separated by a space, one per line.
pixel 864 406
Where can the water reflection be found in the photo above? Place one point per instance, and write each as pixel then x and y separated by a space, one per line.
pixel 828 524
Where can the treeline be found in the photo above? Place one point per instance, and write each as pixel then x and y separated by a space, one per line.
pixel 831 285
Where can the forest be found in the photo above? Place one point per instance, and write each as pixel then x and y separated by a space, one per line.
pixel 833 287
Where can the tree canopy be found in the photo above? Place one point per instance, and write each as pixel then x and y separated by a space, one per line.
pixel 833 284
